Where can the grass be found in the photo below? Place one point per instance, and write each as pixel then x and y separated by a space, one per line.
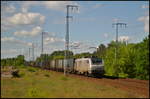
pixel 46 84
pixel 31 69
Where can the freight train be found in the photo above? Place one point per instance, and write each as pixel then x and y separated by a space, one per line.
pixel 86 66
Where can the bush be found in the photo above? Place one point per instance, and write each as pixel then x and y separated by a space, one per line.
pixel 15 73
pixel 123 75
pixel 32 69
pixel 46 75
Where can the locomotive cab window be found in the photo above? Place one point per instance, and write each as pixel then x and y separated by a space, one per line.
pixel 96 61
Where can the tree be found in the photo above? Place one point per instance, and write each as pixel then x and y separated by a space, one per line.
pixel 81 55
pixel 142 59
pixel 112 44
pixel 61 54
pixel 20 60
pixel 16 61
pixel 132 60
pixel 101 51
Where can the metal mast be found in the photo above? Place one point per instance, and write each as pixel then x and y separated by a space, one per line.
pixel 117 24
pixel 42 43
pixel 67 35
pixel 29 53
pixel 33 51
pixel 42 47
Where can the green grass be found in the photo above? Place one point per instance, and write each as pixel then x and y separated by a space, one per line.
pixel 46 84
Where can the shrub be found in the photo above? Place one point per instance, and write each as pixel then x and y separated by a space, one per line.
pixel 32 69
pixel 46 75
pixel 15 73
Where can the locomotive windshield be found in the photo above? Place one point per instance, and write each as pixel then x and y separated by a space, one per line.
pixel 96 61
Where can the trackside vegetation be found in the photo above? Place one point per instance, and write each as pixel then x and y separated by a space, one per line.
pixel 132 59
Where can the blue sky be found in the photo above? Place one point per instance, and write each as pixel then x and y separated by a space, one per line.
pixel 23 22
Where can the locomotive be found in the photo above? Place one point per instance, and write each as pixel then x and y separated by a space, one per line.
pixel 86 66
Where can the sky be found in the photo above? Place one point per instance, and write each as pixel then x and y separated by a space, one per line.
pixel 22 23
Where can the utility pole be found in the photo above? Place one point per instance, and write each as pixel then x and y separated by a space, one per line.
pixel 117 26
pixel 33 51
pixel 42 43
pixel 42 47
pixel 29 53
pixel 67 36
pixel 25 54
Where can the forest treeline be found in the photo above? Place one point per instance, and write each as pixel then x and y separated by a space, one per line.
pixel 132 60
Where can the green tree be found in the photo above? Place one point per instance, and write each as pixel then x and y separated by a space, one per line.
pixel 20 60
pixel 81 55
pixel 132 60
pixel 101 51
pixel 126 65
pixel 142 59
pixel 61 54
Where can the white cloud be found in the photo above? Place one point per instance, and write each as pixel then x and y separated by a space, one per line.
pixel 27 4
pixel 145 6
pixel 35 31
pixel 83 46
pixel 7 39
pixel 26 19
pixel 58 5
pixel 18 19
pixel 29 44
pixel 53 5
pixel 8 8
pixel 51 34
pixel 145 20
pixel 9 51
pixel 75 44
pixel 48 40
pixel 21 19
pixel 13 52
pixel 14 41
pixel 115 20
pixel 105 35
pixel 98 6
pixel 124 38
